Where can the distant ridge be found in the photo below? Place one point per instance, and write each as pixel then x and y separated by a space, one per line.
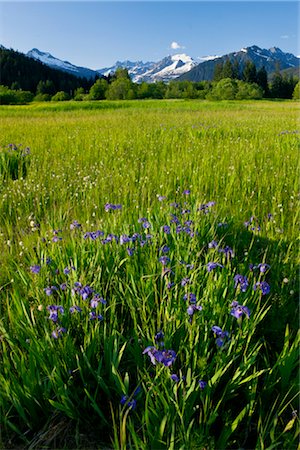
pixel 272 60
pixel 179 66
pixel 65 66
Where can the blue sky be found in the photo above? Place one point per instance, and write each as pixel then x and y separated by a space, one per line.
pixel 98 33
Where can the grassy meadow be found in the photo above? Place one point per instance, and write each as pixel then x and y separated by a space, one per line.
pixel 149 275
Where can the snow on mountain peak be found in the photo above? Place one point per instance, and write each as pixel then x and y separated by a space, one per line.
pixel 182 57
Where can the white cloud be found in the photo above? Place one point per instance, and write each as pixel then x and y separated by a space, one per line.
pixel 175 46
pixel 285 36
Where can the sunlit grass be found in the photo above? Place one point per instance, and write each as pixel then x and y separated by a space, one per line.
pixel 240 155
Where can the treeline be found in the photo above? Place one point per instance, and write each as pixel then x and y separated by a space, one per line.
pixel 281 86
pixel 19 72
pixel 46 84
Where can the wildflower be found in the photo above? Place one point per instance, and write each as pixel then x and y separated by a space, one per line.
pixel 131 404
pixel 75 225
pixel 164 260
pixel 54 310
pixel 146 224
pixel 35 269
pixel 174 377
pixel 124 238
pixel 263 267
pixel 213 244
pixel 191 297
pixel 240 280
pixel 161 197
pixel 227 250
pixel 166 357
pixel 238 310
pixel 159 338
pixel 63 286
pixel 75 308
pixel 56 239
pixel 85 292
pixel 192 308
pixel 165 249
pixel 175 219
pixel 49 290
pixel 185 281
pixel 58 332
pixel 94 316
pixel 220 334
pixel 212 265
pixel 96 300
pixel 67 270
pixel 263 286
pixel 186 192
pixel 130 251
pixel 202 384
pixel 109 206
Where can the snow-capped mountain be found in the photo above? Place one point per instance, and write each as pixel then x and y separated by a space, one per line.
pixel 167 69
pixel 271 59
pixel 207 58
pixel 135 68
pixel 56 63
pixel 179 66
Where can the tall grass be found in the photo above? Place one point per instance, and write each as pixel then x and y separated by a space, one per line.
pixel 197 183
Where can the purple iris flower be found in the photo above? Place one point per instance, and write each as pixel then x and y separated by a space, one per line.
pixel 56 239
pixel 35 269
pixel 190 297
pixel 130 251
pixel 263 267
pixel 263 286
pixel 85 292
pixel 227 250
pixel 202 384
pixel 124 238
pixel 94 316
pixel 49 290
pixel 213 244
pixel 146 224
pixel 75 308
pixel 192 308
pixel 54 310
pixel 166 229
pixel 238 310
pixel 186 192
pixel 174 377
pixel 212 265
pixel 185 281
pixel 165 249
pixel 164 260
pixel 95 301
pixel 58 332
pixel 75 225
pixel 240 280
pixel 166 357
pixel 220 334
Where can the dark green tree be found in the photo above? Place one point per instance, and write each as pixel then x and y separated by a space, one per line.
pixel 98 90
pixel 262 80
pixel 249 72
pixel 218 72
pixel 228 71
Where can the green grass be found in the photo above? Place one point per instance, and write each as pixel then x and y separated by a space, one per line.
pixel 66 392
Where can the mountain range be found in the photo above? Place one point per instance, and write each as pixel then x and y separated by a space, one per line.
pixel 271 60
pixel 179 66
